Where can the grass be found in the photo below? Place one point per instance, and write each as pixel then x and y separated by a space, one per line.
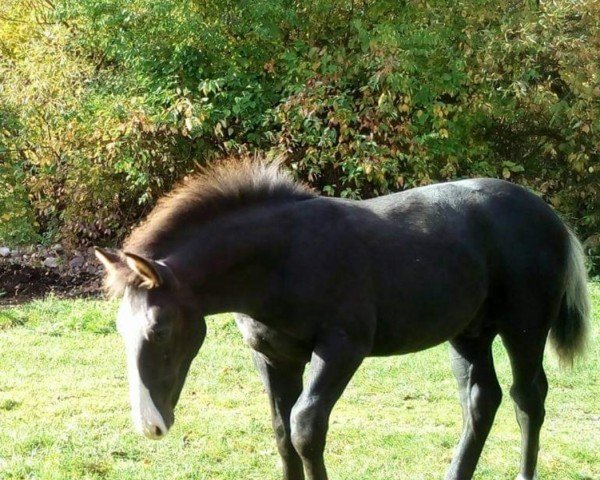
pixel 64 411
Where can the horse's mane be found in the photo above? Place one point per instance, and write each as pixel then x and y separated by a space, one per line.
pixel 226 185
pixel 222 187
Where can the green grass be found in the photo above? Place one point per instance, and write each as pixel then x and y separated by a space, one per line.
pixel 64 411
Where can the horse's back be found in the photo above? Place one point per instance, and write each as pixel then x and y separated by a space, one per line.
pixel 498 219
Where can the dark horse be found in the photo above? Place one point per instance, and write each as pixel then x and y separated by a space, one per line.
pixel 332 281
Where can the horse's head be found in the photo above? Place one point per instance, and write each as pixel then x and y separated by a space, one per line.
pixel 162 332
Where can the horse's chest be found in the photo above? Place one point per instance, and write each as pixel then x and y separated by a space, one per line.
pixel 270 342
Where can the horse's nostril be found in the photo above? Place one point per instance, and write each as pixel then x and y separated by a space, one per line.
pixel 158 432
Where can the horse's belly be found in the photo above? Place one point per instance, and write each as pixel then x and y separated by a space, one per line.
pixel 426 323
pixel 402 338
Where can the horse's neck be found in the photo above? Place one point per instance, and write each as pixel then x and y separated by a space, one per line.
pixel 229 264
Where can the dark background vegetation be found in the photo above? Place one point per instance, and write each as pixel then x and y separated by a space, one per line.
pixel 104 104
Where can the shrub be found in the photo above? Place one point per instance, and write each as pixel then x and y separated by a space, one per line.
pixel 112 101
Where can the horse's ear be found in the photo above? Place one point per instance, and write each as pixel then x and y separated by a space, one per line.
pixel 110 259
pixel 147 269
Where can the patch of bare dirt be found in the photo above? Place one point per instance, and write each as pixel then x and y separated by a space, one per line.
pixel 34 272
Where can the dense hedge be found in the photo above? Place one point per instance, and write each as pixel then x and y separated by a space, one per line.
pixel 105 103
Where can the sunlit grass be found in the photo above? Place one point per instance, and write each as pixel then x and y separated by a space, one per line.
pixel 64 411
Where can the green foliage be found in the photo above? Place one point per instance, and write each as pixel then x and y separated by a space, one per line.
pixel 17 221
pixel 112 101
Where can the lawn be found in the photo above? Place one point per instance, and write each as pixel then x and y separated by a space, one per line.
pixel 64 411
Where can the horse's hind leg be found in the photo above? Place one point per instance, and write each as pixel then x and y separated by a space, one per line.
pixel 480 397
pixel 528 391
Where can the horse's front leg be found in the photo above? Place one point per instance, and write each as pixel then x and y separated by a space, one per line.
pixel 334 360
pixel 283 383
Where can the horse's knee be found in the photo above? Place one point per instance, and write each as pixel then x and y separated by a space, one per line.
pixel 308 431
pixel 485 401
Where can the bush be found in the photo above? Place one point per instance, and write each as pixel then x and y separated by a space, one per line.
pixel 112 101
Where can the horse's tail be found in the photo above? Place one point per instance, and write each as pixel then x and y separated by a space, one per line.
pixel 569 334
